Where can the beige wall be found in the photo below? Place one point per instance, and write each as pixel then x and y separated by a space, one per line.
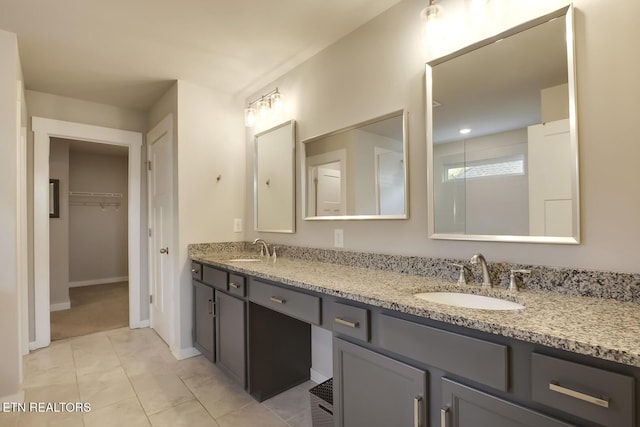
pixel 10 75
pixel 59 227
pixel 379 68
pixel 98 238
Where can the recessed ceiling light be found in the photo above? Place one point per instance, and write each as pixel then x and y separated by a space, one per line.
pixel 465 131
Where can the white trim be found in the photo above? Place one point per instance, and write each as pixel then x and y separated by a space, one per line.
pixel 98 281
pixel 60 306
pixel 317 377
pixel 143 324
pixel 185 353
pixel 43 130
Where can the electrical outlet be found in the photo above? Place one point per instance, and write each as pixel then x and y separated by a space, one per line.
pixel 338 238
pixel 237 225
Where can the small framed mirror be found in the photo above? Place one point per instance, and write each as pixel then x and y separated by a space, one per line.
pixel 274 179
pixel 502 141
pixel 54 198
pixel 359 172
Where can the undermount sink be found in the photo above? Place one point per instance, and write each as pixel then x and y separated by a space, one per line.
pixel 244 260
pixel 459 299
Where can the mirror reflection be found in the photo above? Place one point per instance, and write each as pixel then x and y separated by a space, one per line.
pixel 274 179
pixel 503 146
pixel 358 172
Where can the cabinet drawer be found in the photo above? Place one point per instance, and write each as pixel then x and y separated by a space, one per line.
pixel 196 270
pixel 292 303
pixel 214 277
pixel 595 394
pixel 350 320
pixel 237 285
pixel 472 358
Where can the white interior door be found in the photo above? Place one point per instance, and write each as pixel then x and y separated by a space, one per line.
pixel 328 190
pixel 160 233
pixel 390 182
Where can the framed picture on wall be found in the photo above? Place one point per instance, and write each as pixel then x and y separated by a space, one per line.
pixel 54 198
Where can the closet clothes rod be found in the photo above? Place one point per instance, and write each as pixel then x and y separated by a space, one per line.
pixel 97 204
pixel 92 194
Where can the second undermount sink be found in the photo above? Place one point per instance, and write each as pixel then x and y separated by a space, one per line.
pixel 459 299
pixel 243 260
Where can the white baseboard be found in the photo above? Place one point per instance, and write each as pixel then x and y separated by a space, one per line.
pixel 15 398
pixel 185 353
pixel 141 324
pixel 317 377
pixel 98 281
pixel 60 306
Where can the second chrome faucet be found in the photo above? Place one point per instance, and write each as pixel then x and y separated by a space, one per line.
pixel 486 278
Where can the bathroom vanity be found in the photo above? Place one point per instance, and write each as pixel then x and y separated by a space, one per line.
pixel 398 360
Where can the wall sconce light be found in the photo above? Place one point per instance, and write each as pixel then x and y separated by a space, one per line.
pixel 270 102
pixel 431 15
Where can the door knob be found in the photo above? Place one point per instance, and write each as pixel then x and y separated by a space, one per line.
pixel 164 250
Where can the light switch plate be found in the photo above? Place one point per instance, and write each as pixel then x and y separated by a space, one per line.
pixel 338 238
pixel 237 225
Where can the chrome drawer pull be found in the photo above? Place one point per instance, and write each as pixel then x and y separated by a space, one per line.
pixel 278 300
pixel 341 321
pixel 444 416
pixel 417 422
pixel 234 285
pixel 604 402
pixel 210 307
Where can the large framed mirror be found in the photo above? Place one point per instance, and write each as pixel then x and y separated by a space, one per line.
pixel 274 179
pixel 359 172
pixel 502 140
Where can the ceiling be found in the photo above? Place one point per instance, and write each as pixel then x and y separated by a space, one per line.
pixel 127 53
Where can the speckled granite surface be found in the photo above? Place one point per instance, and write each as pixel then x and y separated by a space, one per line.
pixel 599 327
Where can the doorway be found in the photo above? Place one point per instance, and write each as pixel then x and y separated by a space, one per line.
pixel 44 129
pixel 88 238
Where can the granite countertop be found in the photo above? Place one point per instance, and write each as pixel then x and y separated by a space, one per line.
pixel 597 327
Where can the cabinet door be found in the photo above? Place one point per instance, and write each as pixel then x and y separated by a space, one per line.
pixel 467 407
pixel 203 320
pixel 374 390
pixel 231 356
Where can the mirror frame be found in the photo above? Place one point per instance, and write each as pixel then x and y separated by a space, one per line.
pixel 566 13
pixel 405 157
pixel 292 160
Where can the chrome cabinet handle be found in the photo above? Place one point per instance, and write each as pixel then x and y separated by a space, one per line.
pixel 417 422
pixel 444 416
pixel 234 285
pixel 278 300
pixel 604 401
pixel 210 307
pixel 164 250
pixel 341 321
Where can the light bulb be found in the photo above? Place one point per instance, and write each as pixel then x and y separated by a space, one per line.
pixel 263 108
pixel 276 102
pixel 249 117
pixel 431 16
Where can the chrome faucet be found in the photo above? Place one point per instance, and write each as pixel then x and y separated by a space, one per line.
pixel 486 279
pixel 264 248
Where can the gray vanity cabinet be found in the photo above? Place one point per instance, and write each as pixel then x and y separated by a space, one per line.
pixel 204 319
pixel 374 390
pixel 463 406
pixel 231 336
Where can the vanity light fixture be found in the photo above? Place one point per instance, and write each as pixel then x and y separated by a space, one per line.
pixel 270 102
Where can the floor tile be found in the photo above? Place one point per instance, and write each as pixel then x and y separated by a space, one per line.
pixel 36 377
pixel 8 419
pixel 93 354
pixel 253 414
pixel 127 341
pixel 126 413
pixel 302 419
pixel 218 394
pixel 54 356
pixel 47 419
pixel 159 392
pixel 188 414
pixel 53 393
pixel 196 366
pixel 291 402
pixel 105 388
pixel 149 360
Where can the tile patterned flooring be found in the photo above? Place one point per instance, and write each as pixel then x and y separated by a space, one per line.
pixel 131 379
